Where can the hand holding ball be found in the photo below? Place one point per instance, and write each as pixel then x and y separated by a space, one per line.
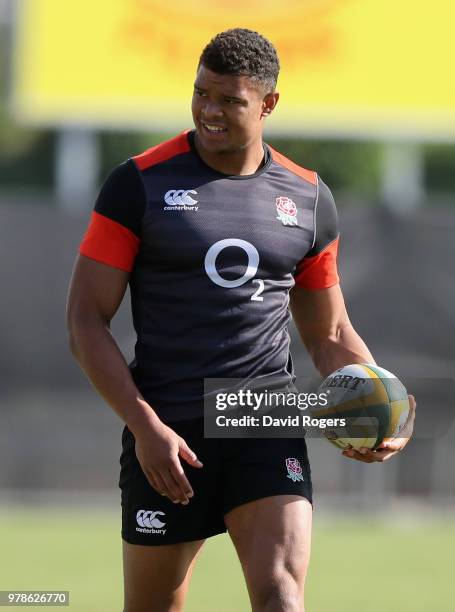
pixel 373 401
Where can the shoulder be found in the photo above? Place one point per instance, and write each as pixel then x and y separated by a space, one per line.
pixel 326 225
pixel 122 197
pixel 325 203
pixel 122 177
pixel 162 152
pixel 310 176
pixel 324 193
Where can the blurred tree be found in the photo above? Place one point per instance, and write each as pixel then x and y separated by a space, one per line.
pixel 26 154
pixel 440 167
pixel 116 147
pixel 342 165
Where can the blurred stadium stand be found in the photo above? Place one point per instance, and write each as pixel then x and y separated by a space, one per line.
pixel 58 435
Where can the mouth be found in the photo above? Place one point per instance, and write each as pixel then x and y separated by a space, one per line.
pixel 213 130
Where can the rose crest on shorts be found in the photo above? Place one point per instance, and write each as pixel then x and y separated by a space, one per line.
pixel 287 211
pixel 294 469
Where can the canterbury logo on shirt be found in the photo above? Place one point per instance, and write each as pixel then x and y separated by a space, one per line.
pixel 180 199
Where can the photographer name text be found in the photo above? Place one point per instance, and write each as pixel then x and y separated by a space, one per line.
pixel 265 420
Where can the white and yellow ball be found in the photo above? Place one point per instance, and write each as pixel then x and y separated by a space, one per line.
pixel 373 401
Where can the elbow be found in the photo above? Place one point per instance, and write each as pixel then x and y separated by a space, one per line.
pixel 81 333
pixel 79 325
pixel 83 326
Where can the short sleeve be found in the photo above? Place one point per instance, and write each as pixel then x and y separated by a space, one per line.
pixel 318 269
pixel 114 233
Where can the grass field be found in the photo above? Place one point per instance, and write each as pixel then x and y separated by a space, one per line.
pixel 356 565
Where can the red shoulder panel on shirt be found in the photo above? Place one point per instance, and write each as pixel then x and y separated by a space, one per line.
pixel 163 151
pixel 110 243
pixel 319 271
pixel 308 175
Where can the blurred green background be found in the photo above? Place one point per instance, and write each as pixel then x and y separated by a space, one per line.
pixel 357 564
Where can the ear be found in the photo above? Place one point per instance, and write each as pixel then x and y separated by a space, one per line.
pixel 269 103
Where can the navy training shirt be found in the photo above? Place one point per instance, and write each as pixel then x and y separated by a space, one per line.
pixel 211 258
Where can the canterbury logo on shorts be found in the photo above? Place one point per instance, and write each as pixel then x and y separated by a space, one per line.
pixel 149 522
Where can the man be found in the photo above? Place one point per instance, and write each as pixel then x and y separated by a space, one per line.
pixel 212 230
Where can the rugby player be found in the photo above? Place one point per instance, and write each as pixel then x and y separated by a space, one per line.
pixel 216 234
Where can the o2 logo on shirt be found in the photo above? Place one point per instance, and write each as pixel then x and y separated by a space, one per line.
pixel 250 272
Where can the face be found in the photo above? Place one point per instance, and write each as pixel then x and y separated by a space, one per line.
pixel 229 111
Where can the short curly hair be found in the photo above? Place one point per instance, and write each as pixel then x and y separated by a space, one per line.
pixel 243 52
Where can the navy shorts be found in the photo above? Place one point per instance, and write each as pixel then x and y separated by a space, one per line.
pixel 236 471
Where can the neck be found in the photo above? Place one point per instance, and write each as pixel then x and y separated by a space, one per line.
pixel 243 162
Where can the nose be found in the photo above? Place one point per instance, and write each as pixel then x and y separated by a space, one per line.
pixel 211 110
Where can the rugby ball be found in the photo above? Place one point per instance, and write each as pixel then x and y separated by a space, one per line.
pixel 370 400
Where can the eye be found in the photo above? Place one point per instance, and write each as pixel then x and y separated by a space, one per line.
pixel 231 101
pixel 199 93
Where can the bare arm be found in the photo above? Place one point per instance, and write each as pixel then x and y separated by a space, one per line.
pixel 332 342
pixel 324 326
pixel 96 292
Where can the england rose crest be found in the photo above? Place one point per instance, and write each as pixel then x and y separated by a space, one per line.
pixel 287 211
pixel 294 469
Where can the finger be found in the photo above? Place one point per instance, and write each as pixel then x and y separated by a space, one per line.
pixel 155 481
pixel 152 480
pixel 181 480
pixel 353 454
pixel 382 456
pixel 412 412
pixel 395 445
pixel 377 455
pixel 398 443
pixel 174 492
pixel 186 453
pixel 369 456
pixel 160 484
pixel 409 425
pixel 389 447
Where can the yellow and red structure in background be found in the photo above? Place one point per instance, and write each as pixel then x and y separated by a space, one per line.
pixel 349 67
